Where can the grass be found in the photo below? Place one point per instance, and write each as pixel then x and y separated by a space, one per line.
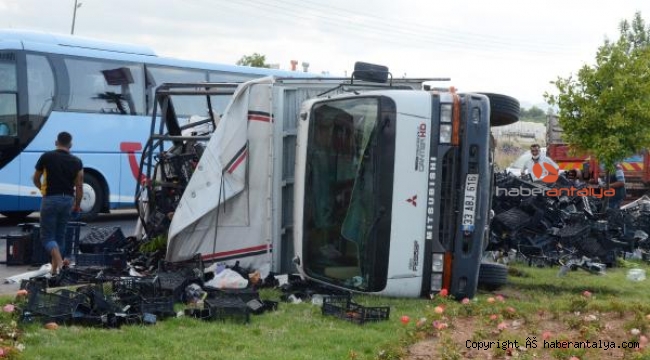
pixel 535 302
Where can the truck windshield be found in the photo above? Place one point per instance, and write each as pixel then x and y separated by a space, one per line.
pixel 341 195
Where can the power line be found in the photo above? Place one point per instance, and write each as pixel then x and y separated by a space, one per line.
pixel 381 33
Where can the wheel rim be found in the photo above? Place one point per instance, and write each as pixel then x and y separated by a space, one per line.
pixel 89 198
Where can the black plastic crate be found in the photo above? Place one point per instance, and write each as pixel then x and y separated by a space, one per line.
pixel 228 309
pixel 19 248
pixel 61 304
pixel 145 287
pixel 73 276
pixel 192 265
pixel 203 314
pixel 39 255
pixel 114 260
pixel 161 306
pixel 102 239
pixel 246 294
pixel 344 308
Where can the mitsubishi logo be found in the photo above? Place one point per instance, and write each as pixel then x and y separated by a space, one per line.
pixel 412 200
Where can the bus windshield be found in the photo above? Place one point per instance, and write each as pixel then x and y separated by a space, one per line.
pixel 341 194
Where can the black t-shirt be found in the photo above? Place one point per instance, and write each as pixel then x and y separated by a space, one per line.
pixel 60 168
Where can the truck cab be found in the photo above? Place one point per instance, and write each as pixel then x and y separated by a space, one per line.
pixel 393 189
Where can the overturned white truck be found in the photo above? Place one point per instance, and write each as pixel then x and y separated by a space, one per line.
pixel 380 188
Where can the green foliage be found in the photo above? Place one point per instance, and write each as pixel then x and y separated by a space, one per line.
pixel 255 60
pixel 534 114
pixel 159 243
pixel 605 110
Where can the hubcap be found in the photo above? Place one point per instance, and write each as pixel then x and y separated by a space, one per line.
pixel 89 198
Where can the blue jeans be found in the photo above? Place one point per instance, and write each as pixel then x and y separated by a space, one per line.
pixel 55 213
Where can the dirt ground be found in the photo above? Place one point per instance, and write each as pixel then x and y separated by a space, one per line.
pixel 606 333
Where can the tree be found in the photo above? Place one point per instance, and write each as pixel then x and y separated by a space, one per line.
pixel 605 111
pixel 255 60
pixel 533 114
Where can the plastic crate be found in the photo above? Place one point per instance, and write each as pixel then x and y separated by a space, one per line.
pixel 59 305
pixel 228 309
pixel 162 306
pixel 191 265
pixel 39 255
pixel 145 287
pixel 246 294
pixel 203 314
pixel 344 308
pixel 114 260
pixel 19 249
pixel 102 239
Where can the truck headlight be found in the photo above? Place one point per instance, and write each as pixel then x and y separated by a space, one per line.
pixel 436 282
pixel 445 133
pixel 445 113
pixel 437 263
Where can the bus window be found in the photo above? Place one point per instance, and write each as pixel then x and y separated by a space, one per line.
pixel 219 102
pixel 223 76
pixel 8 93
pixel 40 89
pixel 93 87
pixel 185 106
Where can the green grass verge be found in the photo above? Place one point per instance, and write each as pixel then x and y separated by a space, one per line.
pixel 300 331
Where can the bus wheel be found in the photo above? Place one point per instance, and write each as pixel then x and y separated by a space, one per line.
pixel 492 276
pixel 504 110
pixel 16 215
pixel 93 198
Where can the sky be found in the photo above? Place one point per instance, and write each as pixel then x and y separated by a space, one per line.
pixel 510 47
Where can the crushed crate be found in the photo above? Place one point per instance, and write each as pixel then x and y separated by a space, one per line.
pixel 114 260
pixel 145 287
pixel 228 309
pixel 102 239
pixel 246 294
pixel 161 307
pixel 174 277
pixel 203 314
pixel 55 306
pixel 174 284
pixel 195 262
pixel 344 308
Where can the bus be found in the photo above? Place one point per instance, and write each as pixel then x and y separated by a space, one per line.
pixel 100 92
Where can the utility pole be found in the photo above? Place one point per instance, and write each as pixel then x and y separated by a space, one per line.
pixel 74 15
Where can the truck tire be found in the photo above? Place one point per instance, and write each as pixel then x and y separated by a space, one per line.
pixel 504 110
pixel 93 198
pixel 492 276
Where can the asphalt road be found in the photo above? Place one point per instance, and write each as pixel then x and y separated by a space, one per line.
pixel 125 219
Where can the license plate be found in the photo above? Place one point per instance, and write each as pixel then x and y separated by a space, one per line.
pixel 469 202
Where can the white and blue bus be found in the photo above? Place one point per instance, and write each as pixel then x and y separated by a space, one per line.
pixel 103 94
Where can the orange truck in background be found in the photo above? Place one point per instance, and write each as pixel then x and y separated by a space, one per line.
pixel 636 167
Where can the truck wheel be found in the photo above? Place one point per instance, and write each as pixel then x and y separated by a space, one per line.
pixel 492 276
pixel 504 110
pixel 93 198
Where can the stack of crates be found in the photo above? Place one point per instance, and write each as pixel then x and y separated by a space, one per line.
pixel 99 249
pixel 26 248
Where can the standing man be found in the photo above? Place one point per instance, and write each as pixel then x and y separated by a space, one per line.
pixel 537 158
pixel 59 175
pixel 616 182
